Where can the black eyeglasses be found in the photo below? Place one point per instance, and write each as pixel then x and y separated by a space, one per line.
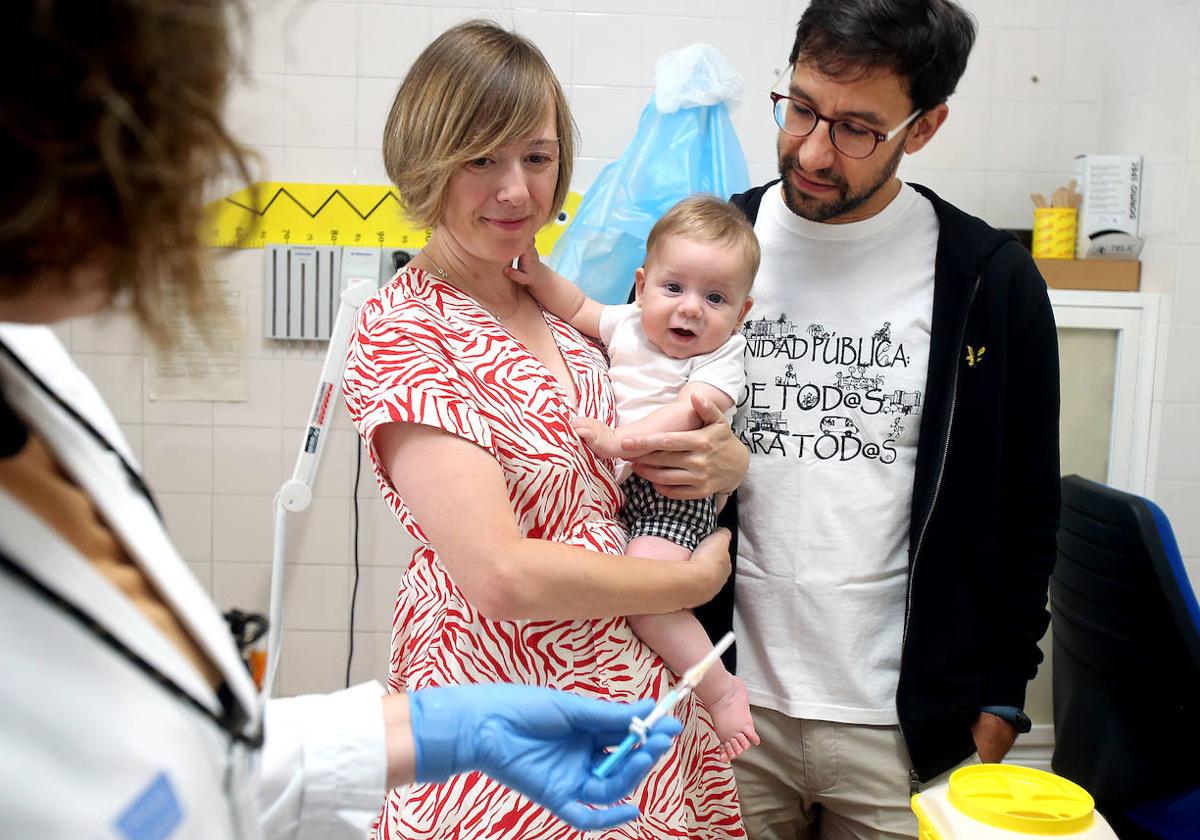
pixel 851 139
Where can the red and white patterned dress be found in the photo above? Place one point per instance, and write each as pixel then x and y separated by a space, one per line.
pixel 426 353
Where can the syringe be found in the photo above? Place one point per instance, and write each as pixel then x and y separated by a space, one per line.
pixel 638 728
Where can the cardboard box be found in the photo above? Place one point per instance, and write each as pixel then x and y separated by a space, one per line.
pixel 1112 196
pixel 1103 275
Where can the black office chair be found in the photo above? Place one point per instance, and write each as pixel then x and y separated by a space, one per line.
pixel 1126 630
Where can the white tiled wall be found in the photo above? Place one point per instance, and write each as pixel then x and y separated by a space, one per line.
pixel 1048 79
pixel 1029 102
pixel 322 75
pixel 1151 104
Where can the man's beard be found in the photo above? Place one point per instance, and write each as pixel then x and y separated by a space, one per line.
pixel 822 210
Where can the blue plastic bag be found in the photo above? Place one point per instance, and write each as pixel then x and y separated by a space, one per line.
pixel 685 144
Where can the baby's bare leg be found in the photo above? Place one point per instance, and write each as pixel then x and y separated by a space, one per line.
pixel 680 640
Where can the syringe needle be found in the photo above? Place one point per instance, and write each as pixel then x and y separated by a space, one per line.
pixel 639 728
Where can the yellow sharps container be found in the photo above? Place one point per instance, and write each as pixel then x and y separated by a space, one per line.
pixel 1003 801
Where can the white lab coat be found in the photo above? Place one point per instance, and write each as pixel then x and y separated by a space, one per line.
pixel 92 747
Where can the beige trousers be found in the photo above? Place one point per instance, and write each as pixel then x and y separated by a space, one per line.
pixel 814 779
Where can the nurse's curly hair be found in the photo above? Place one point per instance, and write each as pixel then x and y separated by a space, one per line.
pixel 111 130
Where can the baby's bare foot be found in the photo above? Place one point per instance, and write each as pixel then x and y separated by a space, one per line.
pixel 730 712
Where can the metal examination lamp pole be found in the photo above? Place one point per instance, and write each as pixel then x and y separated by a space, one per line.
pixel 295 495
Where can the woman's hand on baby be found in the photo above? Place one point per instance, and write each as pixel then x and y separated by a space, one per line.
pixel 711 559
pixel 694 464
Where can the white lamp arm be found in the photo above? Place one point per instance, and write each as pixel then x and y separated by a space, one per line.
pixel 296 493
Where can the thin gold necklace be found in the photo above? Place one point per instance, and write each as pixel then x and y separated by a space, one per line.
pixel 437 269
pixel 445 276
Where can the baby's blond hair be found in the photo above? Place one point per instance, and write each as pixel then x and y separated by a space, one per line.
pixel 706 218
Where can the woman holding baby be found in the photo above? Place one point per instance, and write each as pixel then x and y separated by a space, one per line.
pixel 463 389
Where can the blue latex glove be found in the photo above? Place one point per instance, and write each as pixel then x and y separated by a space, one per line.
pixel 539 742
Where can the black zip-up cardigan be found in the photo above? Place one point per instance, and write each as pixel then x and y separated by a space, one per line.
pixel 985 495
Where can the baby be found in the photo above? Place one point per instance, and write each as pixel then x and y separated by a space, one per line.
pixel 678 341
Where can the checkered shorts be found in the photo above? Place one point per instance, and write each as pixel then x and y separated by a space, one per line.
pixel 648 514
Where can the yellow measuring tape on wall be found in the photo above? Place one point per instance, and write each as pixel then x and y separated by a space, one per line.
pixel 276 213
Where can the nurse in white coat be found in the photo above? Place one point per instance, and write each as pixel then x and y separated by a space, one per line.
pixel 125 711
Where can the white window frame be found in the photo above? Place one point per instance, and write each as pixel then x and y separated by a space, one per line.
pixel 1134 316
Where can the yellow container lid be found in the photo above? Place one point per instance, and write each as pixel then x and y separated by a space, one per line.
pixel 1021 799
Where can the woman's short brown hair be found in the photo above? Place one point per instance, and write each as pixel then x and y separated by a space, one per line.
pixel 475 88
pixel 108 139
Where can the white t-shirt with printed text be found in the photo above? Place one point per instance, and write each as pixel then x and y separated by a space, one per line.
pixel 836 359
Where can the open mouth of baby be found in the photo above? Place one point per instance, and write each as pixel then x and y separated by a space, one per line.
pixel 682 333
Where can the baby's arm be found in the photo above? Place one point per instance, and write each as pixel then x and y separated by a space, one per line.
pixel 676 416
pixel 557 294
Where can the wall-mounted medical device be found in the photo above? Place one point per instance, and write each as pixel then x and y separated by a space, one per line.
pixel 302 285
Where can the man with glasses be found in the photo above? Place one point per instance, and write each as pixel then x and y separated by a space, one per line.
pixel 897 525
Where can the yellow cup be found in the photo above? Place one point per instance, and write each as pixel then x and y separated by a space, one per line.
pixel 1054 232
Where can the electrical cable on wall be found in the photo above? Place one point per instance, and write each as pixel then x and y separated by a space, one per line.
pixel 354 589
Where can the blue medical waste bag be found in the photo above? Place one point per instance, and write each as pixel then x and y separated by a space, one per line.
pixel 691 149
